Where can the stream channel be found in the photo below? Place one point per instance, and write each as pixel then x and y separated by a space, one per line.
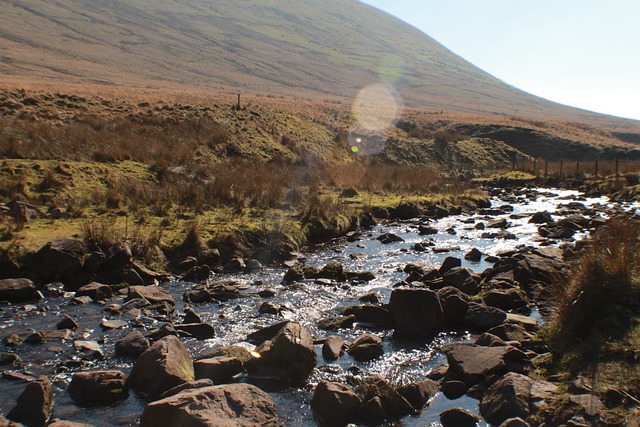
pixel 404 360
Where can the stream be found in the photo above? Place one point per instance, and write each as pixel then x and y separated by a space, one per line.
pixel 404 360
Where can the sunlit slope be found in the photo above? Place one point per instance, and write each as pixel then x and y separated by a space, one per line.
pixel 319 49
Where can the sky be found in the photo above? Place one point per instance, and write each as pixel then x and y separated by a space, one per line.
pixel 582 53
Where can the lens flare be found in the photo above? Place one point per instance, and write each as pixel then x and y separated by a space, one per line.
pixel 355 149
pixel 377 107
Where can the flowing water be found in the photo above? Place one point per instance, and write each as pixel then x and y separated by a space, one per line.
pixel 403 361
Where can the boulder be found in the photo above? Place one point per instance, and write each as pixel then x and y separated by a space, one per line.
pixel 98 388
pixel 153 294
pixel 119 257
pixel 60 259
pixel 332 348
pixel 541 218
pixel 201 331
pixel 132 344
pixel 237 351
pixel 509 397
pixel 471 363
pixel 335 402
pixel 419 393
pixel 299 272
pixel 66 322
pixel 458 417
pixel 453 389
pixel 9 359
pixel 449 263
pixel 109 325
pixel 290 354
pixel 371 314
pixel 220 370
pixel 62 423
pixel 481 318
pixel 425 230
pixel 332 271
pixel 165 365
pixel 474 255
pixel 266 333
pixel 387 238
pixel 35 404
pixel 90 349
pixel 415 311
pixel 187 386
pixel 461 278
pixel 238 405
pixel 515 422
pixel 366 347
pixel 455 305
pixel 337 322
pixel 18 290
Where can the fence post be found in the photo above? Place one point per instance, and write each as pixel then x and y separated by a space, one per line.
pixel 617 169
pixel 546 168
pixel 561 169
pixel 534 166
pixel 596 170
pixel 577 169
pixel 238 106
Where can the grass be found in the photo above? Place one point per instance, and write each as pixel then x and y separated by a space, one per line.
pixel 595 329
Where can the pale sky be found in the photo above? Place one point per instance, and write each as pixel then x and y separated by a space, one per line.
pixel 583 53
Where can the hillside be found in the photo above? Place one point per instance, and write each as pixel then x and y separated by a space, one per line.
pixel 318 50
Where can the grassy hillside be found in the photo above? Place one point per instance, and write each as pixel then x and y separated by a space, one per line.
pixel 329 49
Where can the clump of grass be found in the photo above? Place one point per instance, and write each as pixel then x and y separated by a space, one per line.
pixel 601 299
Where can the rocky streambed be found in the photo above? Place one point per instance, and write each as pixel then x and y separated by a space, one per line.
pixel 423 321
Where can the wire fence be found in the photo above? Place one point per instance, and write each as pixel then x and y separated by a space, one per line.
pixel 595 169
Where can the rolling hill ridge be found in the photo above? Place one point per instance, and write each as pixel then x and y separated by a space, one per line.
pixel 320 50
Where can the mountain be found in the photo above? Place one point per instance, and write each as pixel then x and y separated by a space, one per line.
pixel 318 49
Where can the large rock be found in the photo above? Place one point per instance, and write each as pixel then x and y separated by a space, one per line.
pixel 472 363
pixel 233 405
pixel 98 388
pixel 419 393
pixel 290 354
pixel 132 344
pixel 165 365
pixel 481 318
pixel 60 259
pixel 366 347
pixel 415 311
pixel 335 402
pixel 18 290
pixel 220 370
pixel 332 348
pixel 35 404
pixel 153 294
pixel 372 314
pixel 509 397
pixel 458 417
pixel 61 423
pixel 96 291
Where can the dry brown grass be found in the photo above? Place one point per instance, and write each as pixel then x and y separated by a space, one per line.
pixel 600 301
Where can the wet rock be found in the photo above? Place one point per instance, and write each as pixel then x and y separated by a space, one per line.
pixel 458 417
pixel 474 255
pixel 53 290
pixel 290 354
pixel 498 223
pixel 267 333
pixel 366 347
pixel 18 290
pixel 165 365
pixel 62 423
pixel 60 260
pixel 81 300
pixel 201 331
pixel 108 325
pixel 237 351
pixel 509 331
pixel 449 263
pixel 371 298
pixel 266 293
pixel 35 404
pixel 132 344
pixel 481 318
pixel 508 397
pixel 234 265
pixel 36 338
pixel 371 314
pixel 337 322
pixel 187 264
pixel 191 316
pixel 98 388
pixel 12 340
pixel 515 422
pixel 453 389
pixel 489 340
pixel 209 257
pixel 461 278
pixel 241 405
pixel 372 411
pixel 153 294
pixel 502 234
pixel 299 272
pixel 425 230
pixel 9 359
pixel 393 403
pixel 359 276
pixel 509 299
pixel 196 274
pixel 335 402
pixel 164 331
pixel 119 257
pixel 220 370
pixel 332 348
pixel 148 276
pixel 388 238
pixel 332 271
pixel 472 364
pixel 415 311
pixel 90 349
pixel 455 305
pixel 269 308
pixel 541 218
pixel 419 393
pixel 206 382
pixel 67 322
pixel 253 265
pixel 407 210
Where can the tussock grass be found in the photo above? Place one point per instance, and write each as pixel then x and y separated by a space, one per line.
pixel 601 299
